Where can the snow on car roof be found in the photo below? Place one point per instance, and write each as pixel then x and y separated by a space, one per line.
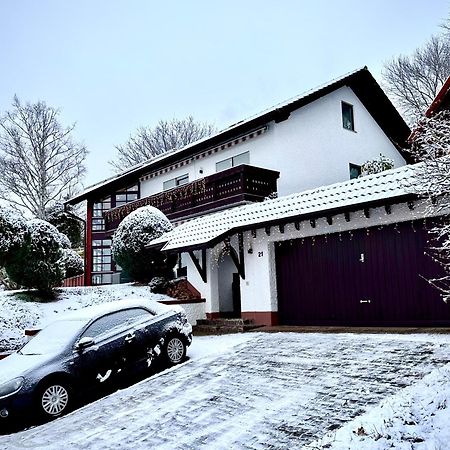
pixel 385 185
pixel 91 312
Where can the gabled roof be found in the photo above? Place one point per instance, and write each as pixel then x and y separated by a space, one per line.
pixel 360 81
pixel 441 98
pixel 336 198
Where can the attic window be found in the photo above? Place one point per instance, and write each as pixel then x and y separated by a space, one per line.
pixel 347 116
pixel 355 171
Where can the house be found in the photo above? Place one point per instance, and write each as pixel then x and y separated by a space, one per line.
pixel 319 138
pixel 356 253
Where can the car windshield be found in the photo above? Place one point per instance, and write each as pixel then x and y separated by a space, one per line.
pixel 53 338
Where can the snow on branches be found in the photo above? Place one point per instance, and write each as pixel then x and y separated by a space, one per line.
pixel 377 165
pixel 431 147
pixel 132 236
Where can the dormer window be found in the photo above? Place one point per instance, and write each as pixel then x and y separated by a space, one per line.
pixel 347 116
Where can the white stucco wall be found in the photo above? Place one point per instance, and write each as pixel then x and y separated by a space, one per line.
pixel 309 149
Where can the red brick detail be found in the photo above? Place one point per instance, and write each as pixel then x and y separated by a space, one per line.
pixel 182 302
pixel 213 315
pixel 32 332
pixel 269 318
pixel 183 290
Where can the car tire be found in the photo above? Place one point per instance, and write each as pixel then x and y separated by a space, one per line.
pixel 174 349
pixel 54 399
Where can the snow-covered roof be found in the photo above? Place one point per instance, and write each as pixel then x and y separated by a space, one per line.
pixel 360 80
pixel 372 188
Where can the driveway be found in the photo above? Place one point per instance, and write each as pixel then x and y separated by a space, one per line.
pixel 252 391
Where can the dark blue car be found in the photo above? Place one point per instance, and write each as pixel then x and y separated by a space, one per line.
pixel 87 349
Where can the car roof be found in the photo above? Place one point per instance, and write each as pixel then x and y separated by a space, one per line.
pixel 93 312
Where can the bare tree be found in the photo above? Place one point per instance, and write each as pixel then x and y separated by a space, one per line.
pixel 148 142
pixel 414 80
pixel 39 161
pixel 431 146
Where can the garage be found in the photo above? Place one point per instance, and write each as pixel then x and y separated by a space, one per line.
pixel 367 277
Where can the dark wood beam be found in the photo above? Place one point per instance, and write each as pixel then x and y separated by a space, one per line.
pixel 201 267
pixel 238 257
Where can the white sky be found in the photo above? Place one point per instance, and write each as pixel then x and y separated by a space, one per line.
pixel 112 65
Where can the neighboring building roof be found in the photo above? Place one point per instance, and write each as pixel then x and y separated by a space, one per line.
pixel 442 98
pixel 336 198
pixel 360 81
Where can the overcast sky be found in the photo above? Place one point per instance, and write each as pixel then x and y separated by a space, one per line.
pixel 111 66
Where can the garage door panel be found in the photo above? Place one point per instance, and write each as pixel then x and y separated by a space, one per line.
pixel 363 277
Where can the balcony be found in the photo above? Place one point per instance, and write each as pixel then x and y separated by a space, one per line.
pixel 231 187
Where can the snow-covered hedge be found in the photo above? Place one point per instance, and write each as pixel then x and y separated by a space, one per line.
pixel 38 262
pixel 73 263
pixel 132 235
pixel 12 232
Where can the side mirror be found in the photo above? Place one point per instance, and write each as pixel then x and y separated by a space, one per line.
pixel 84 343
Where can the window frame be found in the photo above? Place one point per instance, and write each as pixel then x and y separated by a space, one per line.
pixel 232 160
pixel 353 166
pixel 177 180
pixel 352 116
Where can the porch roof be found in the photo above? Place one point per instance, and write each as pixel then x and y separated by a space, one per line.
pixel 377 189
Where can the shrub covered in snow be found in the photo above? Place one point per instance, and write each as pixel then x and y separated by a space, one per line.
pixel 39 263
pixel 66 223
pixel 73 263
pixel 132 235
pixel 12 233
pixel 377 165
pixel 158 285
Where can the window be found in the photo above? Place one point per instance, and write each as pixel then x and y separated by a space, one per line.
pixel 347 117
pixel 127 195
pixel 119 318
pixel 102 278
pixel 174 182
pixel 98 223
pixel 101 255
pixel 355 171
pixel 243 158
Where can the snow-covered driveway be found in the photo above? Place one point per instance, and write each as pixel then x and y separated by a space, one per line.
pixel 252 391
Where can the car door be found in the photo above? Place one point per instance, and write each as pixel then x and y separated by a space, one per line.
pixel 113 348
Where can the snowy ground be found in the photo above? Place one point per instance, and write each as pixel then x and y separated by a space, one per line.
pixel 274 391
pixel 18 312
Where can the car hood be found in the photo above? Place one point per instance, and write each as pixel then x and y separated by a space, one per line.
pixel 17 365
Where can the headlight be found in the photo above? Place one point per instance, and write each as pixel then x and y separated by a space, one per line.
pixel 11 387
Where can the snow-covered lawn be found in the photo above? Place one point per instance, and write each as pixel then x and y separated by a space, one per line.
pixel 18 312
pixel 274 391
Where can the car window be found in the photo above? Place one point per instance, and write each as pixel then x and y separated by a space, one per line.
pixel 53 338
pixel 116 319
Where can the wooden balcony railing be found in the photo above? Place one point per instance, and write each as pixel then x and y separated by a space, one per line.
pixel 233 186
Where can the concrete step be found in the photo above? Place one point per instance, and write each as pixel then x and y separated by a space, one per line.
pixel 223 326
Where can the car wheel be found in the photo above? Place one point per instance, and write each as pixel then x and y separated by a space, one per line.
pixel 54 399
pixel 175 349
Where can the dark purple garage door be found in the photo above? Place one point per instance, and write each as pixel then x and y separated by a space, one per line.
pixel 369 277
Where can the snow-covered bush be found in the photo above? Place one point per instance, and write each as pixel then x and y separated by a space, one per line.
pixel 377 165
pixel 12 232
pixel 66 223
pixel 132 235
pixel 158 285
pixel 39 263
pixel 73 263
